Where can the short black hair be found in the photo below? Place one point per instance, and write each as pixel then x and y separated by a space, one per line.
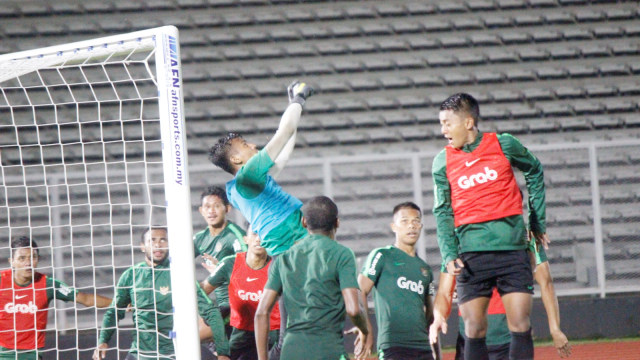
pixel 219 152
pixel 21 242
pixel 463 102
pixel 321 214
pixel 144 233
pixel 406 205
pixel 215 191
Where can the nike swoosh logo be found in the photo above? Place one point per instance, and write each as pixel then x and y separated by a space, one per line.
pixel 251 279
pixel 20 296
pixel 469 163
pixel 398 263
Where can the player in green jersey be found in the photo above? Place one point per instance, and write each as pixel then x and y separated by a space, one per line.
pixel 317 279
pixel 221 238
pixel 403 292
pixel 147 288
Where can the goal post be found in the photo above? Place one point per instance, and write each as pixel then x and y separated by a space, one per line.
pixel 93 151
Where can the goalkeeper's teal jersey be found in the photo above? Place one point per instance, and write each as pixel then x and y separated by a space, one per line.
pixel 148 290
pixel 403 285
pixel 228 242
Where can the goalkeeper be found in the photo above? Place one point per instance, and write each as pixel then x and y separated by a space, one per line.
pixel 274 214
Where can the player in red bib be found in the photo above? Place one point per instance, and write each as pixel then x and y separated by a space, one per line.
pixel 481 230
pixel 24 302
pixel 246 275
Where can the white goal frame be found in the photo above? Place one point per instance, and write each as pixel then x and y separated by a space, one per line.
pixel 174 154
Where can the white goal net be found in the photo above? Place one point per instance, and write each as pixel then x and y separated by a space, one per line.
pixel 84 129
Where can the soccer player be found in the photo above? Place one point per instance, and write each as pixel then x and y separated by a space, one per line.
pixel 403 291
pixel 317 279
pixel 245 274
pixel 480 226
pixel 218 240
pixel 273 213
pixel 25 295
pixel 146 286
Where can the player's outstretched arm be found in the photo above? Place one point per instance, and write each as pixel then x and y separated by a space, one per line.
pixel 261 322
pixel 442 306
pixel 283 157
pixel 92 300
pixel 550 301
pixel 298 93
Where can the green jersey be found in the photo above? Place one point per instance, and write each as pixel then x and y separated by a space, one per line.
pixel 403 285
pixel 508 233
pixel 311 276
pixel 148 290
pixel 228 242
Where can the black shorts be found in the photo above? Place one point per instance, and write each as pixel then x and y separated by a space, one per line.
pixel 405 353
pixel 509 271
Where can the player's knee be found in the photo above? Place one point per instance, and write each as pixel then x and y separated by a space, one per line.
pixel 475 327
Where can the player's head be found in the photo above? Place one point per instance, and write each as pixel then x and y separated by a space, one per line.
pixel 24 257
pixel 407 223
pixel 155 244
pixel 459 116
pixel 253 243
pixel 231 152
pixel 214 206
pixel 320 215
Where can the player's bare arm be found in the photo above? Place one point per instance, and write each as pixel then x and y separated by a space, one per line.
pixel 298 93
pixel 442 306
pixel 550 301
pixel 363 345
pixel 435 346
pixel 100 352
pixel 261 322
pixel 92 300
pixel 358 318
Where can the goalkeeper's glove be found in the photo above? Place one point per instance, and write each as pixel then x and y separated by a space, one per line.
pixel 299 92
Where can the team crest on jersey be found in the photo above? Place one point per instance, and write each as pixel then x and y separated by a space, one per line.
pixel 218 247
pixel 164 290
pixel 424 271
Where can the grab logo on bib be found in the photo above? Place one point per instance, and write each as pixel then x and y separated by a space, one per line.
pixel 245 295
pixel 416 287
pixel 29 308
pixel 480 178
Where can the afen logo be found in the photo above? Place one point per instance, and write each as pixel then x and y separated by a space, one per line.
pixel 403 283
pixel 29 308
pixel 245 295
pixel 480 178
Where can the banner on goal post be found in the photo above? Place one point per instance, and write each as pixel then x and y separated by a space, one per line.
pixel 93 153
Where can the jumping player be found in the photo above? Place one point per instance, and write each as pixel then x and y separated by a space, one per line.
pixel 481 230
pixel 273 213
pixel 147 288
pixel 317 279
pixel 403 291
pixel 245 274
pixel 24 302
